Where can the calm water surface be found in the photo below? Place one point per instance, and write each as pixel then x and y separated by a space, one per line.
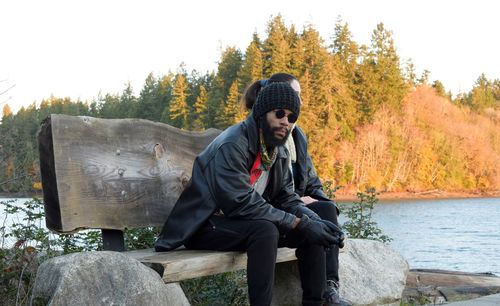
pixel 452 234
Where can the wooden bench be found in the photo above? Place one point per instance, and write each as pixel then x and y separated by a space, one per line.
pixel 117 174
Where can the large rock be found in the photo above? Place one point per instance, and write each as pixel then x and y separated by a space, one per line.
pixel 371 273
pixel 102 278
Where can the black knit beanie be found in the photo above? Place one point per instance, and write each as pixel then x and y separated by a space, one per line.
pixel 278 95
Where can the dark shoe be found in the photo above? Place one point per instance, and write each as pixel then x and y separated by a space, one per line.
pixel 332 296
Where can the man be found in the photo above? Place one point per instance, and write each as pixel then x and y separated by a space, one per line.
pixel 241 198
pixel 306 182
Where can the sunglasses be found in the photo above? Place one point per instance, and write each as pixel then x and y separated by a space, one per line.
pixel 280 113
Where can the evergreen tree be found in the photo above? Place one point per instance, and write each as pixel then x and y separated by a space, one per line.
pixel 195 81
pixel 200 110
pixel 6 111
pixel 345 50
pixel 482 95
pixel 179 109
pixel 251 69
pixel 410 74
pixel 109 105
pixel 127 102
pixel 439 88
pixel 232 111
pixel 296 53
pixel 227 72
pixel 165 96
pixel 276 47
pixel 318 63
pixel 228 68
pixel 149 106
pixel 379 78
pixel 6 146
pixel 345 61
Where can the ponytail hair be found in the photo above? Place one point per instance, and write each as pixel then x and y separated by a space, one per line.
pixel 250 94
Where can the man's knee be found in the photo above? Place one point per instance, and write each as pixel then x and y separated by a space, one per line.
pixel 310 250
pixel 263 229
pixel 262 240
pixel 326 210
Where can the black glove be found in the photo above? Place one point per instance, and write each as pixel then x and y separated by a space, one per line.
pixel 336 232
pixel 316 232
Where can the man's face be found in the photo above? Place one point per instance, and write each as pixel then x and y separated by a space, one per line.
pixel 276 130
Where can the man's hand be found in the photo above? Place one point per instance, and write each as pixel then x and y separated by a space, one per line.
pixel 316 231
pixel 336 231
pixel 308 200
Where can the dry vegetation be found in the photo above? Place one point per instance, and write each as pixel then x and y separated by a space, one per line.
pixel 429 144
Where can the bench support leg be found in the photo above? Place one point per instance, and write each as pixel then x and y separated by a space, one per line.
pixel 113 240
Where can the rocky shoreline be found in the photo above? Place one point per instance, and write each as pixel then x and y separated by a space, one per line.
pixel 432 286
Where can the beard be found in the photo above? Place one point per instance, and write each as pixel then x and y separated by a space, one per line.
pixel 270 139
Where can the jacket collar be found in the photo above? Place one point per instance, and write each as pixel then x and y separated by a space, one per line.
pixel 253 138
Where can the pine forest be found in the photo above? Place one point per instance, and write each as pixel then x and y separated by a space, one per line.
pixel 370 120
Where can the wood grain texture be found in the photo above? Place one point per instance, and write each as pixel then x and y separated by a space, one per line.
pixel 178 265
pixel 114 173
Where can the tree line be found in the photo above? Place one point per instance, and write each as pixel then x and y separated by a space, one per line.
pixel 346 89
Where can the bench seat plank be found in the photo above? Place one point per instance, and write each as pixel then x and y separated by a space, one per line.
pixel 184 264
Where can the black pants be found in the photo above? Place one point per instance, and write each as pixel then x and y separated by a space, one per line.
pixel 327 211
pixel 260 239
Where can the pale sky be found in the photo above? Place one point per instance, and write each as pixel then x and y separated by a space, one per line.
pixel 78 48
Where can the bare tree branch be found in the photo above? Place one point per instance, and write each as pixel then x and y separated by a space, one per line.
pixel 5 91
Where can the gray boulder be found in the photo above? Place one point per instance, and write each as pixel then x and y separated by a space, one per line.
pixel 371 273
pixel 102 278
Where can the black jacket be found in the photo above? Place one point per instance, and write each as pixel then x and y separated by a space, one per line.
pixel 220 180
pixel 306 180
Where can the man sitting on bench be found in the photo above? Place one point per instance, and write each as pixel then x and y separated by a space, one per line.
pixel 241 198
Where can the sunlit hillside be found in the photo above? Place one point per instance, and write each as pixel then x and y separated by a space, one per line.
pixel 430 144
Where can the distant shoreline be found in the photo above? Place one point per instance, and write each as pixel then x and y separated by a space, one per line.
pixel 6 195
pixel 424 195
pixel 347 196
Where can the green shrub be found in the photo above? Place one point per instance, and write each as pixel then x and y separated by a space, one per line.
pixel 360 223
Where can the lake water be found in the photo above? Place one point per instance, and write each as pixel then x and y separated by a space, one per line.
pixel 451 234
pixel 7 220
